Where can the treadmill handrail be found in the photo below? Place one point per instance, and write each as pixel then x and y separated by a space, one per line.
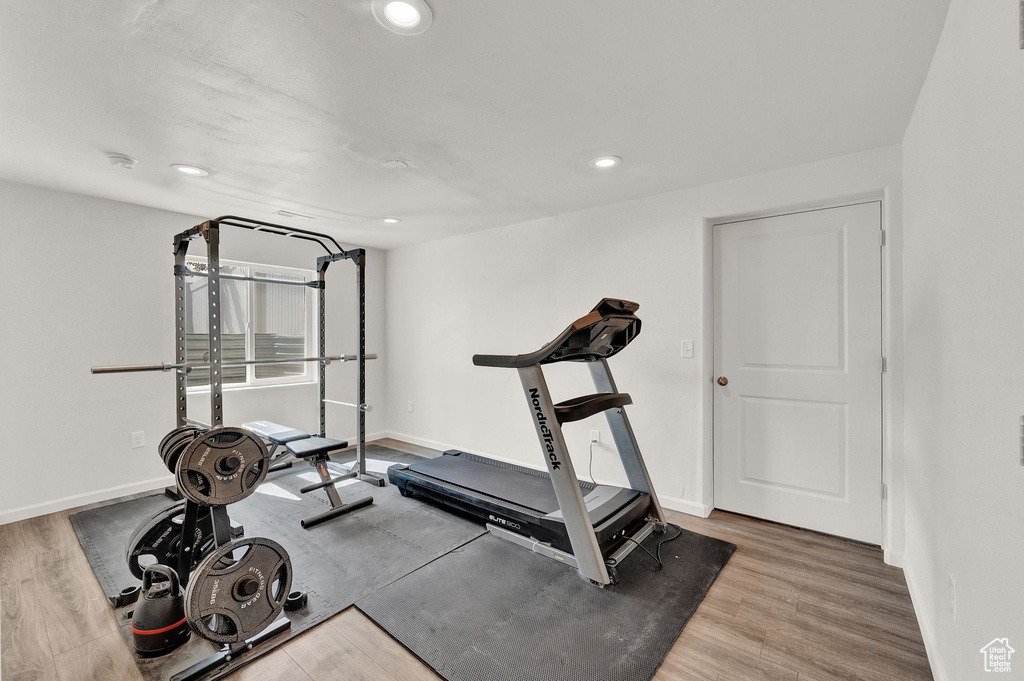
pixel 585 406
pixel 606 310
pixel 503 361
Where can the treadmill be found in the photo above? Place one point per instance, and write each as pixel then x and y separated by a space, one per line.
pixel 591 527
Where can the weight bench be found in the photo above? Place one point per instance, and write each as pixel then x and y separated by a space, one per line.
pixel 316 450
pixel 276 435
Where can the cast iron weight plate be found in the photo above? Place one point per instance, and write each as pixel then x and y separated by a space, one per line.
pixel 159 537
pixel 238 590
pixel 222 466
pixel 176 445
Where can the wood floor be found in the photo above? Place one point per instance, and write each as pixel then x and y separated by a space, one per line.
pixel 790 606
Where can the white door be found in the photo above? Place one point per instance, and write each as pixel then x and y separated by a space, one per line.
pixel 798 328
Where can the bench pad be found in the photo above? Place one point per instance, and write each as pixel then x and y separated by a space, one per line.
pixel 275 432
pixel 312 446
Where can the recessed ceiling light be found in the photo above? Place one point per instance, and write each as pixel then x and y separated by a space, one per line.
pixel 191 171
pixel 390 221
pixel 121 160
pixel 605 162
pixel 396 164
pixel 407 17
pixel 401 14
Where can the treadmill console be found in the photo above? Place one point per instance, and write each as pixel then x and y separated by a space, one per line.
pixel 604 331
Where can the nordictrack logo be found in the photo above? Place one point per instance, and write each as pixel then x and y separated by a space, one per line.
pixel 547 438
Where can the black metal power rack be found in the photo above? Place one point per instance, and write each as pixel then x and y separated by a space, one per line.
pixel 209 231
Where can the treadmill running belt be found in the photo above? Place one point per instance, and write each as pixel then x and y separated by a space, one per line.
pixel 495 479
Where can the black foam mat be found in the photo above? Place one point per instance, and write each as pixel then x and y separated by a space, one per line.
pixel 336 563
pixel 493 610
pixel 474 607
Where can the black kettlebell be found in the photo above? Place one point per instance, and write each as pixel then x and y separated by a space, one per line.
pixel 159 625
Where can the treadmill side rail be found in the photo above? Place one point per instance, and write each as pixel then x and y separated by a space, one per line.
pixel 614 559
pixel 534 545
pixel 625 440
pixel 627 547
pixel 584 542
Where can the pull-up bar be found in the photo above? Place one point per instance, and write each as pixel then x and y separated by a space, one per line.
pixel 325 240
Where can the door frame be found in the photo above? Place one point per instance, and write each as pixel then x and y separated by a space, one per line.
pixel 892 463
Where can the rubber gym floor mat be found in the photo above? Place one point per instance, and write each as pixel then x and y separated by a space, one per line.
pixel 336 563
pixel 493 610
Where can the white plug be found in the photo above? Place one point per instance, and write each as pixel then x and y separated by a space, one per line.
pixel 595 437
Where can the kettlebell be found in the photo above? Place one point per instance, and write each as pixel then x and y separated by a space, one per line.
pixel 159 625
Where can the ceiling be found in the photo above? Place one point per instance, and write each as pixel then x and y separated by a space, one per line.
pixel 295 104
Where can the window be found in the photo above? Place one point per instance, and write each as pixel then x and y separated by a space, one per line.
pixel 259 320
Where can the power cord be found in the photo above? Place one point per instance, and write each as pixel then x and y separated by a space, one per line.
pixel 590 466
pixel 657 556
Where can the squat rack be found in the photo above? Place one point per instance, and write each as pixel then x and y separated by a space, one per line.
pixel 210 233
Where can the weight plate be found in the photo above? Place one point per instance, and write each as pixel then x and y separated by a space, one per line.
pixel 158 539
pixel 177 432
pixel 177 436
pixel 178 446
pixel 171 442
pixel 163 442
pixel 222 466
pixel 238 590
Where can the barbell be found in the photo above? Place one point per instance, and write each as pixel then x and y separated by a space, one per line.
pixel 189 366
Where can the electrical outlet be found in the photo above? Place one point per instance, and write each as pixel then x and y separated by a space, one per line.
pixel 595 437
pixel 138 439
pixel 686 349
pixel 952 597
pixel 410 406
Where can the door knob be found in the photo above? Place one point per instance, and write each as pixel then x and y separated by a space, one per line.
pixel 722 380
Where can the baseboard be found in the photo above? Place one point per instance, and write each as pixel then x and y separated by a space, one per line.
pixel 45 507
pixel 672 503
pixel 442 446
pixel 422 441
pixel 32 510
pixel 683 506
pixel 930 644
pixel 370 437
pixel 894 558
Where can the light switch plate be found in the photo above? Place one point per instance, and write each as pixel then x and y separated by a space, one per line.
pixel 686 348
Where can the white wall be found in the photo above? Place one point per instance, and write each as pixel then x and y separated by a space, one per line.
pixel 964 339
pixel 511 289
pixel 87 282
